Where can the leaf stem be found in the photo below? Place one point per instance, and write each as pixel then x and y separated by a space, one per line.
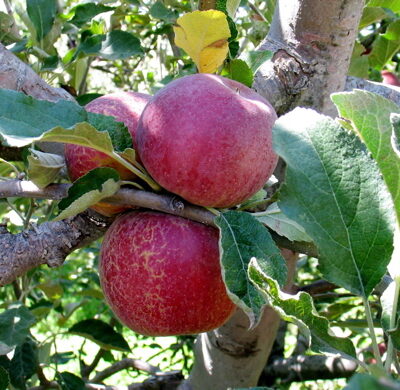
pixel 370 322
pixel 154 186
pixel 393 317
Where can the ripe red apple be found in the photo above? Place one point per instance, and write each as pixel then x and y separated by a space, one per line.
pixel 161 274
pixel 390 78
pixel 125 107
pixel 208 139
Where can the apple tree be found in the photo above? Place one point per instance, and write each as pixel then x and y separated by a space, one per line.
pixel 112 123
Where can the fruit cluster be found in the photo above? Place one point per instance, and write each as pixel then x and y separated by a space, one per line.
pixel 209 140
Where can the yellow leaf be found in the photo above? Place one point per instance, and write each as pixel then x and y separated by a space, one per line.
pixel 204 37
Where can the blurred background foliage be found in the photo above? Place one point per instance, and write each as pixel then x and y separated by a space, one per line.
pixel 96 47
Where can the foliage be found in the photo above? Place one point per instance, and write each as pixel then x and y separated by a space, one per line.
pixel 340 193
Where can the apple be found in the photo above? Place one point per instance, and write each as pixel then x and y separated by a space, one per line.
pixel 161 274
pixel 125 107
pixel 208 139
pixel 390 78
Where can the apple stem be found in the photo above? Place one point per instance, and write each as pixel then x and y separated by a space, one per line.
pixel 154 186
pixel 131 183
pixel 213 210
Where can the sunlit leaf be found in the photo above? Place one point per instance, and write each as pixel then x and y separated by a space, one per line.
pixel 44 168
pixel 300 310
pixel 42 14
pixel 241 238
pixel 333 188
pixel 204 37
pixel 97 184
pixel 84 13
pixel 280 223
pixel 369 116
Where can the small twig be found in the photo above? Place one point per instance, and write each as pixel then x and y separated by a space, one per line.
pixel 87 370
pixel 14 27
pixel 42 378
pixel 258 12
pixel 317 287
pixel 123 365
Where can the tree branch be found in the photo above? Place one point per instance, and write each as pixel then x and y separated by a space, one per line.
pixel 312 46
pixel 123 365
pixel 303 367
pixel 16 75
pixel 50 243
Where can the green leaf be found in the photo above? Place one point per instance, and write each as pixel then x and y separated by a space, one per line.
pixel 23 119
pixel 395 121
pixel 387 301
pixel 252 388
pixel 4 379
pixel 118 132
pixel 393 31
pixel 44 168
pixel 87 98
pixel 69 381
pixel 393 5
pixel 300 310
pixel 100 333
pixel 115 45
pixel 97 184
pixel 241 238
pixel 335 191
pixel 366 381
pixel 280 223
pixel 369 116
pixel 231 7
pixel 238 70
pixel 382 51
pixel 359 64
pixel 160 11
pixel 81 134
pixel 24 364
pixel 14 327
pixel 254 59
pixel 86 12
pixel 372 15
pixel 42 14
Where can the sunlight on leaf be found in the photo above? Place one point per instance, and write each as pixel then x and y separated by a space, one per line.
pixel 204 36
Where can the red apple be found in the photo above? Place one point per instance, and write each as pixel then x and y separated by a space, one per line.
pixel 161 274
pixel 390 78
pixel 208 139
pixel 125 107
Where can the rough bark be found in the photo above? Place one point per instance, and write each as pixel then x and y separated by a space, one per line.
pixel 16 75
pixel 49 243
pixel 313 43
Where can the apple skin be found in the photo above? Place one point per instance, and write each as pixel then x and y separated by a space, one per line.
pixel 390 78
pixel 208 139
pixel 161 274
pixel 125 107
